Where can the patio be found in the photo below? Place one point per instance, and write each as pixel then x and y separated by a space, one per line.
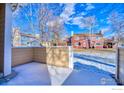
pixel 29 72
pixel 38 74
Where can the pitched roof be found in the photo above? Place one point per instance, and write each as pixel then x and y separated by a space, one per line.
pixel 27 35
pixel 88 35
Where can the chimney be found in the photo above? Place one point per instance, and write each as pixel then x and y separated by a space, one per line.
pixel 72 33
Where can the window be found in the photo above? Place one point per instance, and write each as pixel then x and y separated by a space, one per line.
pixel 76 44
pixel 98 44
pixel 76 38
pixel 97 37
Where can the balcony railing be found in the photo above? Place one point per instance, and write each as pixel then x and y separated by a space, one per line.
pixel 58 56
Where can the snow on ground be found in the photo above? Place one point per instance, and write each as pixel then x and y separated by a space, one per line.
pixel 92 69
pixel 99 53
pixel 100 63
pixel 89 75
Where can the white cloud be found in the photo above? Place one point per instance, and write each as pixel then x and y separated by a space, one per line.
pixel 82 25
pixel 89 7
pixel 83 13
pixel 104 30
pixel 82 4
pixel 79 21
pixel 52 23
pixel 68 11
pixel 108 21
pixel 109 35
pixel 61 4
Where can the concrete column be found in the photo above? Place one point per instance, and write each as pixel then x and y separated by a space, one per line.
pixel 117 64
pixel 120 66
pixel 5 38
pixel 2 14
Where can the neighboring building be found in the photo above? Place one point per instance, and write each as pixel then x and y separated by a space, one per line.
pixel 29 40
pixel 109 43
pixel 58 43
pixel 68 41
pixel 23 40
pixel 62 43
pixel 16 37
pixel 87 40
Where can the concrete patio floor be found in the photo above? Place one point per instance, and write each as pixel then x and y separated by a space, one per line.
pixel 38 74
pixel 30 74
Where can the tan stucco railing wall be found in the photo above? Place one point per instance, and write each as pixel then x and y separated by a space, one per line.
pixel 58 56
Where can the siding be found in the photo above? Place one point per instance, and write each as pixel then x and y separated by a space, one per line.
pixel 21 55
pixel 39 54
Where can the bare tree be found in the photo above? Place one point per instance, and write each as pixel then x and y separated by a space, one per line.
pixel 57 29
pixel 51 26
pixel 25 14
pixel 89 22
pixel 17 10
pixel 44 16
pixel 117 25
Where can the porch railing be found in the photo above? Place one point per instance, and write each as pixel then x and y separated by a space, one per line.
pixel 58 56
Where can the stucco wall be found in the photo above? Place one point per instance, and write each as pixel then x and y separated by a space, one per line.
pixel 58 56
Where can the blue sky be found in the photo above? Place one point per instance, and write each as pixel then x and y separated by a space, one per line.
pixel 72 15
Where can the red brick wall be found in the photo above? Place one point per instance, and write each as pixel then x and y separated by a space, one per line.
pixel 84 43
